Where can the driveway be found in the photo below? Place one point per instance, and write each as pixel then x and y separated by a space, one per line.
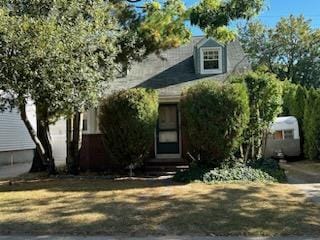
pixel 306 177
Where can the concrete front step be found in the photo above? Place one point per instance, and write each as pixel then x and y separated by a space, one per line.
pixel 159 173
pixel 165 160
pixel 164 167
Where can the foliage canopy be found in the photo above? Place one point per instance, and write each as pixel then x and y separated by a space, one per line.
pixel 290 50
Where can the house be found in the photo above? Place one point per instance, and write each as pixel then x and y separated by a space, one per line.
pixel 16 145
pixel 201 59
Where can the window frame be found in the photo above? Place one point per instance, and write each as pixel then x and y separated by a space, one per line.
pixel 283 135
pixel 211 71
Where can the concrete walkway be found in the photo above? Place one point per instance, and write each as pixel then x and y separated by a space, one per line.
pixel 153 238
pixel 306 181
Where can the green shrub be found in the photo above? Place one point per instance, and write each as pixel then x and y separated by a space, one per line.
pixel 294 104
pixel 258 171
pixel 127 120
pixel 214 116
pixel 298 104
pixel 245 173
pixel 288 96
pixel 312 125
pixel 271 167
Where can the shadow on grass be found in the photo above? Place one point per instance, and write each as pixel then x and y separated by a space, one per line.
pixel 154 207
pixel 80 185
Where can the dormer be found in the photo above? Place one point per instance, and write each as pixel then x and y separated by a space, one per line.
pixel 210 57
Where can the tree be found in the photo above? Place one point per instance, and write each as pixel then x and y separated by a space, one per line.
pixel 61 53
pixel 213 16
pixel 290 49
pixel 54 54
pixel 265 101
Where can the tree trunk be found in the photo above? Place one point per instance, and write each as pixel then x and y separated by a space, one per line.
pixel 75 144
pixel 69 158
pixel 45 138
pixel 40 160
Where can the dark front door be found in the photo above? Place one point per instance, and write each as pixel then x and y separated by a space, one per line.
pixel 168 129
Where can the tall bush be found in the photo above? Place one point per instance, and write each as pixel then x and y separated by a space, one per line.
pixel 288 96
pixel 265 100
pixel 294 104
pixel 312 125
pixel 214 117
pixel 127 120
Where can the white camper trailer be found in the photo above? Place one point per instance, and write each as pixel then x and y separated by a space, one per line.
pixel 283 139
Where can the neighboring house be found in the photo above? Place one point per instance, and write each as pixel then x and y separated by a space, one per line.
pixel 16 145
pixel 178 68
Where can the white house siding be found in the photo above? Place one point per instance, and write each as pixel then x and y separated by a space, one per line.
pixel 58 134
pixel 16 144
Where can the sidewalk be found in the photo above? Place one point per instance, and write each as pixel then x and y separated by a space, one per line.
pixel 154 238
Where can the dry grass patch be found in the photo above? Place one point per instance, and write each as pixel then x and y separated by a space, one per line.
pixel 154 207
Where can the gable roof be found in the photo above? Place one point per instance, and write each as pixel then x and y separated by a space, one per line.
pixel 176 70
pixel 205 40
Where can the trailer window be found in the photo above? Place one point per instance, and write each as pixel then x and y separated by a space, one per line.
pixel 288 134
pixel 278 135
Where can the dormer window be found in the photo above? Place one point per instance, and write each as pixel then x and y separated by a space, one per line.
pixel 211 60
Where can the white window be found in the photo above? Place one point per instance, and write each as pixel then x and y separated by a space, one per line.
pixel 211 60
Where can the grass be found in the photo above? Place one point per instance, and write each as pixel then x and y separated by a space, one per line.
pixel 157 207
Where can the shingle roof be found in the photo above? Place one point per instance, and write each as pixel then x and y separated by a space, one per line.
pixel 175 70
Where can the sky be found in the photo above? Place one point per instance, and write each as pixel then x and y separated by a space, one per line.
pixel 275 9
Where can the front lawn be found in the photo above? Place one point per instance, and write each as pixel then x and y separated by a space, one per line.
pixel 157 207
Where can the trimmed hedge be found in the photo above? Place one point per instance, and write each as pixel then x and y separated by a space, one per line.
pixel 260 171
pixel 214 116
pixel 127 120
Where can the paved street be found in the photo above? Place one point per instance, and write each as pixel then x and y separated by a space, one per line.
pixel 153 238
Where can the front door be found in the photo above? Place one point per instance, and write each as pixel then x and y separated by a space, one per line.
pixel 168 130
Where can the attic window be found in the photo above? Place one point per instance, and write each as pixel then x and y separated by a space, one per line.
pixel 211 60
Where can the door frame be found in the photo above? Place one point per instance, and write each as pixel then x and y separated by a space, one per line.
pixel 169 100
